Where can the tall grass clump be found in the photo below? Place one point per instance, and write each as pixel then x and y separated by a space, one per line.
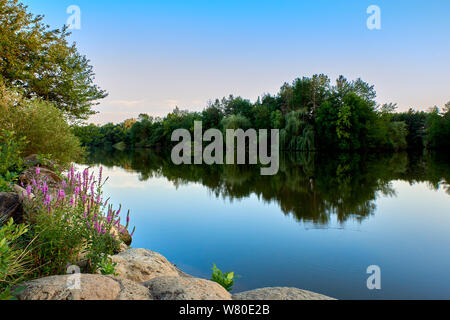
pixel 71 223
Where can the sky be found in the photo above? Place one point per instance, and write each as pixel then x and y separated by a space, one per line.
pixel 154 55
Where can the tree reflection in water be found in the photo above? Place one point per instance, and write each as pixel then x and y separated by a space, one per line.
pixel 310 186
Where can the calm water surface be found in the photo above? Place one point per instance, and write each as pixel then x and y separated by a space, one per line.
pixel 317 225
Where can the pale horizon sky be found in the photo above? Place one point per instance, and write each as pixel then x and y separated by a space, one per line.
pixel 153 55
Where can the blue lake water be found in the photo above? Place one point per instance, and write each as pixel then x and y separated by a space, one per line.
pixel 318 225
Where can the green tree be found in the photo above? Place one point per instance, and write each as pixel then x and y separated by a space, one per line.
pixel 306 93
pixel 438 129
pixel 298 135
pixel 40 124
pixel 235 106
pixel 262 117
pixel 41 63
pixel 416 126
pixel 212 115
pixel 235 122
pixel 344 125
pixel 277 119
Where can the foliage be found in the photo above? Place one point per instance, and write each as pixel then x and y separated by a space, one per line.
pixel 235 122
pixel 70 223
pixel 416 126
pixel 40 62
pixel 212 116
pixel 226 280
pixel 343 123
pixel 438 129
pixel 11 162
pixel 306 93
pixel 42 126
pixel 107 267
pixel 14 259
pixel 298 135
pixel 311 114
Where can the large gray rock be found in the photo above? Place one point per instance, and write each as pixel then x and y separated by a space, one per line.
pixel 91 287
pixel 130 290
pixel 141 265
pixel 52 179
pixel 34 160
pixel 279 294
pixel 10 207
pixel 182 288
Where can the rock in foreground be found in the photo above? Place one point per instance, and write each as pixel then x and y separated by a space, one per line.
pixel 141 265
pixel 10 207
pixel 91 287
pixel 279 294
pixel 181 288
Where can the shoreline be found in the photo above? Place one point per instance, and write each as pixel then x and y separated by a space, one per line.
pixel 147 275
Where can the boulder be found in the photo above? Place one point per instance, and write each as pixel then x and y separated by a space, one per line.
pixel 34 160
pixel 141 265
pixel 130 290
pixel 122 248
pixel 53 180
pixel 22 194
pixel 91 287
pixel 279 294
pixel 10 207
pixel 181 288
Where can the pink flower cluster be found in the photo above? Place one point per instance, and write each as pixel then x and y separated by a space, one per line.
pixel 78 193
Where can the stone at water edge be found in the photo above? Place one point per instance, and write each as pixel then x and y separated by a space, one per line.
pixel 182 288
pixel 279 294
pixel 10 207
pixel 92 287
pixel 22 193
pixel 141 265
pixel 53 180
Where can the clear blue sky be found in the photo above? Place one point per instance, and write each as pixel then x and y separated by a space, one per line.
pixel 153 55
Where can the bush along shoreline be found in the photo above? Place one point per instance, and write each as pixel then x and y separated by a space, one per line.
pixel 63 221
pixel 55 224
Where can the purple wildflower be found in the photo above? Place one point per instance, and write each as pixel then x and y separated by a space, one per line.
pixel 29 191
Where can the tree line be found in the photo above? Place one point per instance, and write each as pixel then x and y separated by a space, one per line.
pixel 311 114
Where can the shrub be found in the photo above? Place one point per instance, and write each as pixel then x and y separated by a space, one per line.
pixel 70 223
pixel 41 124
pixel 14 260
pixel 11 162
pixel 226 280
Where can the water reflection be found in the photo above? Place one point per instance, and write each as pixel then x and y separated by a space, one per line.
pixel 311 187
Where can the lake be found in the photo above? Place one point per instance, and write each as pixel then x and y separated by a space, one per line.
pixel 317 225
